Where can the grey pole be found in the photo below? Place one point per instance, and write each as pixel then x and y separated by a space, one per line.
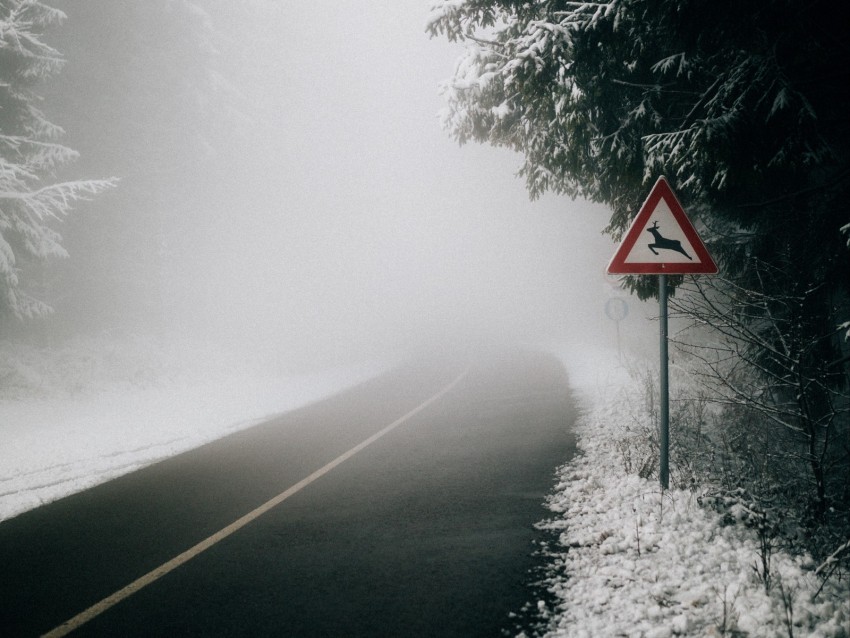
pixel 619 347
pixel 664 425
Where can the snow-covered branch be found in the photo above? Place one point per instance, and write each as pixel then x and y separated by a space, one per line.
pixel 30 156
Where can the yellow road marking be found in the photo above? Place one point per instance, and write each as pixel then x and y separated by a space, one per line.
pixel 155 574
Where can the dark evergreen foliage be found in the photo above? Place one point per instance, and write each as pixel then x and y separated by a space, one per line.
pixel 743 107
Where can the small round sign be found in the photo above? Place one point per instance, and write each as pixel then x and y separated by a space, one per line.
pixel 616 309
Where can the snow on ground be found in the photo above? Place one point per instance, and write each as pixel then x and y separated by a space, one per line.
pixel 95 411
pixel 631 561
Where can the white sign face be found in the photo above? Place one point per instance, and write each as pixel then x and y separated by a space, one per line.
pixel 661 240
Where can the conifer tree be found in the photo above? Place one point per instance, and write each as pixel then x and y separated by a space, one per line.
pixel 32 201
pixel 742 106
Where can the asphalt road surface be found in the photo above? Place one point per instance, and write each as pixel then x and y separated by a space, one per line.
pixel 427 529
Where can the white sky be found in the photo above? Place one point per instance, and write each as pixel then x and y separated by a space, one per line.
pixel 364 223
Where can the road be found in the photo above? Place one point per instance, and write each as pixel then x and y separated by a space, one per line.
pixel 425 530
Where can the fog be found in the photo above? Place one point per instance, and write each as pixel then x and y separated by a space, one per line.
pixel 338 219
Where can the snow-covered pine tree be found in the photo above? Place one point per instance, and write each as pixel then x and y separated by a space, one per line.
pixel 31 200
pixel 742 107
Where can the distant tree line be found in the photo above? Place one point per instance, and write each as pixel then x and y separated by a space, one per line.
pixel 143 93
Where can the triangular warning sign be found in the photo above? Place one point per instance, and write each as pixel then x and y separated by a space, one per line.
pixel 661 240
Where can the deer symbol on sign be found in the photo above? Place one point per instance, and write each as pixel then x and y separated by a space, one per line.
pixel 664 243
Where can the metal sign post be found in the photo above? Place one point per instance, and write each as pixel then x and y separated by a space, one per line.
pixel 664 398
pixel 675 249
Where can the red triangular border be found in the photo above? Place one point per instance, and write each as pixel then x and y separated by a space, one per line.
pixel 661 190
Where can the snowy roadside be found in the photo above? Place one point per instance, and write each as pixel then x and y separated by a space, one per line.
pixel 631 562
pixel 628 561
pixel 57 442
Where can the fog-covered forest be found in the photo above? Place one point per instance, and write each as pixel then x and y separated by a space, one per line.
pixel 280 180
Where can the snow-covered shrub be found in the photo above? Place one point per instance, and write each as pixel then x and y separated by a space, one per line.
pixel 633 560
pixel 637 444
pixel 738 461
pixel 781 404
pixel 761 476
pixel 691 454
pixel 81 365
